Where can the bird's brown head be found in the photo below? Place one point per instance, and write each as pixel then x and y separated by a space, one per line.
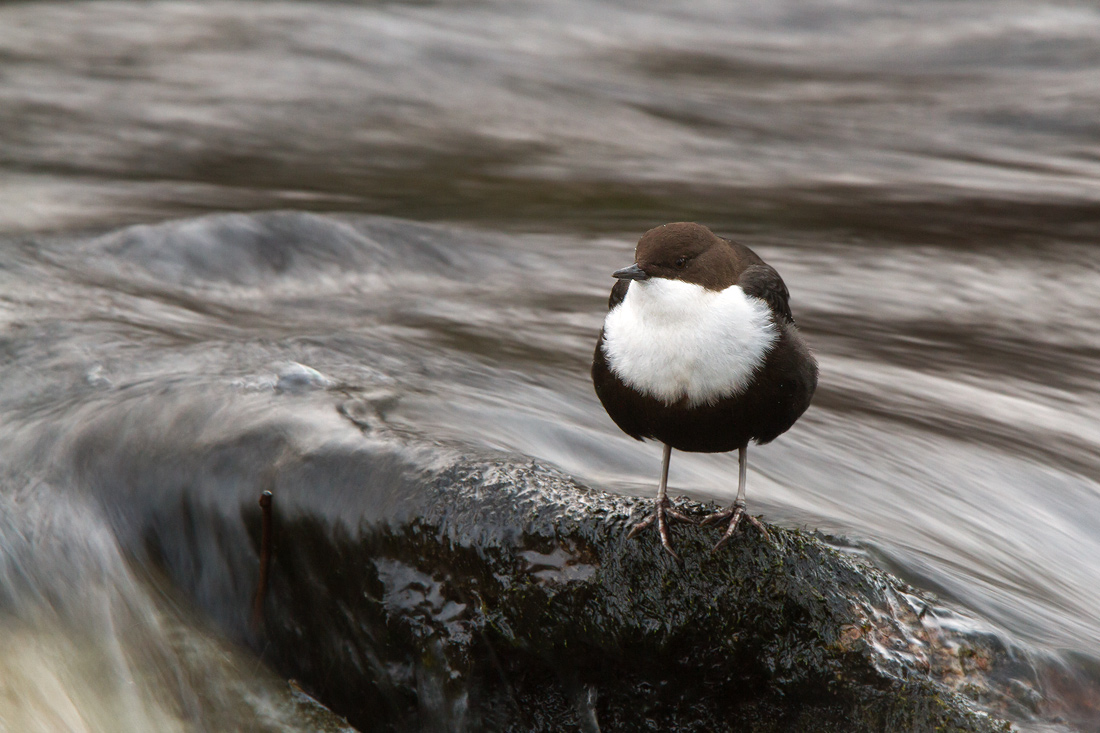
pixel 689 252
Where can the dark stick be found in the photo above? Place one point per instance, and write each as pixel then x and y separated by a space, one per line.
pixel 265 562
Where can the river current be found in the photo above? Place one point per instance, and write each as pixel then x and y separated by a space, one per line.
pixel 424 202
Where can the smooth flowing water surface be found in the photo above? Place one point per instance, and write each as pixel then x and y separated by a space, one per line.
pixel 424 203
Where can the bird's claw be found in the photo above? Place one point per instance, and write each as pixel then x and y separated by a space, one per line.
pixel 735 513
pixel 663 511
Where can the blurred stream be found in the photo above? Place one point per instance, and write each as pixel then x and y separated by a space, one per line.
pixel 452 186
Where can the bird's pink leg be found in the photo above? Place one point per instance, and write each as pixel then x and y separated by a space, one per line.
pixel 736 511
pixel 663 510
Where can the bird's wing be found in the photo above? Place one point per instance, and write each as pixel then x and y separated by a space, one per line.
pixel 762 281
pixel 617 293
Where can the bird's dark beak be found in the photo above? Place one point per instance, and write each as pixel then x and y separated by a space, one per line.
pixel 634 272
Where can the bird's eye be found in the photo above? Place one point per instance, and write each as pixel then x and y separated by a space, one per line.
pixel 681 262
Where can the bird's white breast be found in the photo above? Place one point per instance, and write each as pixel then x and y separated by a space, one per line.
pixel 672 339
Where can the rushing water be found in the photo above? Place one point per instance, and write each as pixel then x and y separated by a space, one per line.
pixel 926 177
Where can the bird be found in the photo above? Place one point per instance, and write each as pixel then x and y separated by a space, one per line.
pixel 700 352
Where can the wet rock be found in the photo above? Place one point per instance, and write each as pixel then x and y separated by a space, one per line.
pixel 551 620
pixel 296 378
pixel 417 586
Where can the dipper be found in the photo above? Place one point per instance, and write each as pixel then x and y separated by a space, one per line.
pixel 699 351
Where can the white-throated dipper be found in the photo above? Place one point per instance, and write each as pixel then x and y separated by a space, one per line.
pixel 699 351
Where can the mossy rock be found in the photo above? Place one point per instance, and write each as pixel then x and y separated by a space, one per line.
pixel 513 601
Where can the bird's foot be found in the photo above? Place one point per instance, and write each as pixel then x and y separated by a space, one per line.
pixel 734 514
pixel 663 512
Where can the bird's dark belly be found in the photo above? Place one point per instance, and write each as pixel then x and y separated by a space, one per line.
pixel 778 395
pixel 721 427
pixel 724 426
